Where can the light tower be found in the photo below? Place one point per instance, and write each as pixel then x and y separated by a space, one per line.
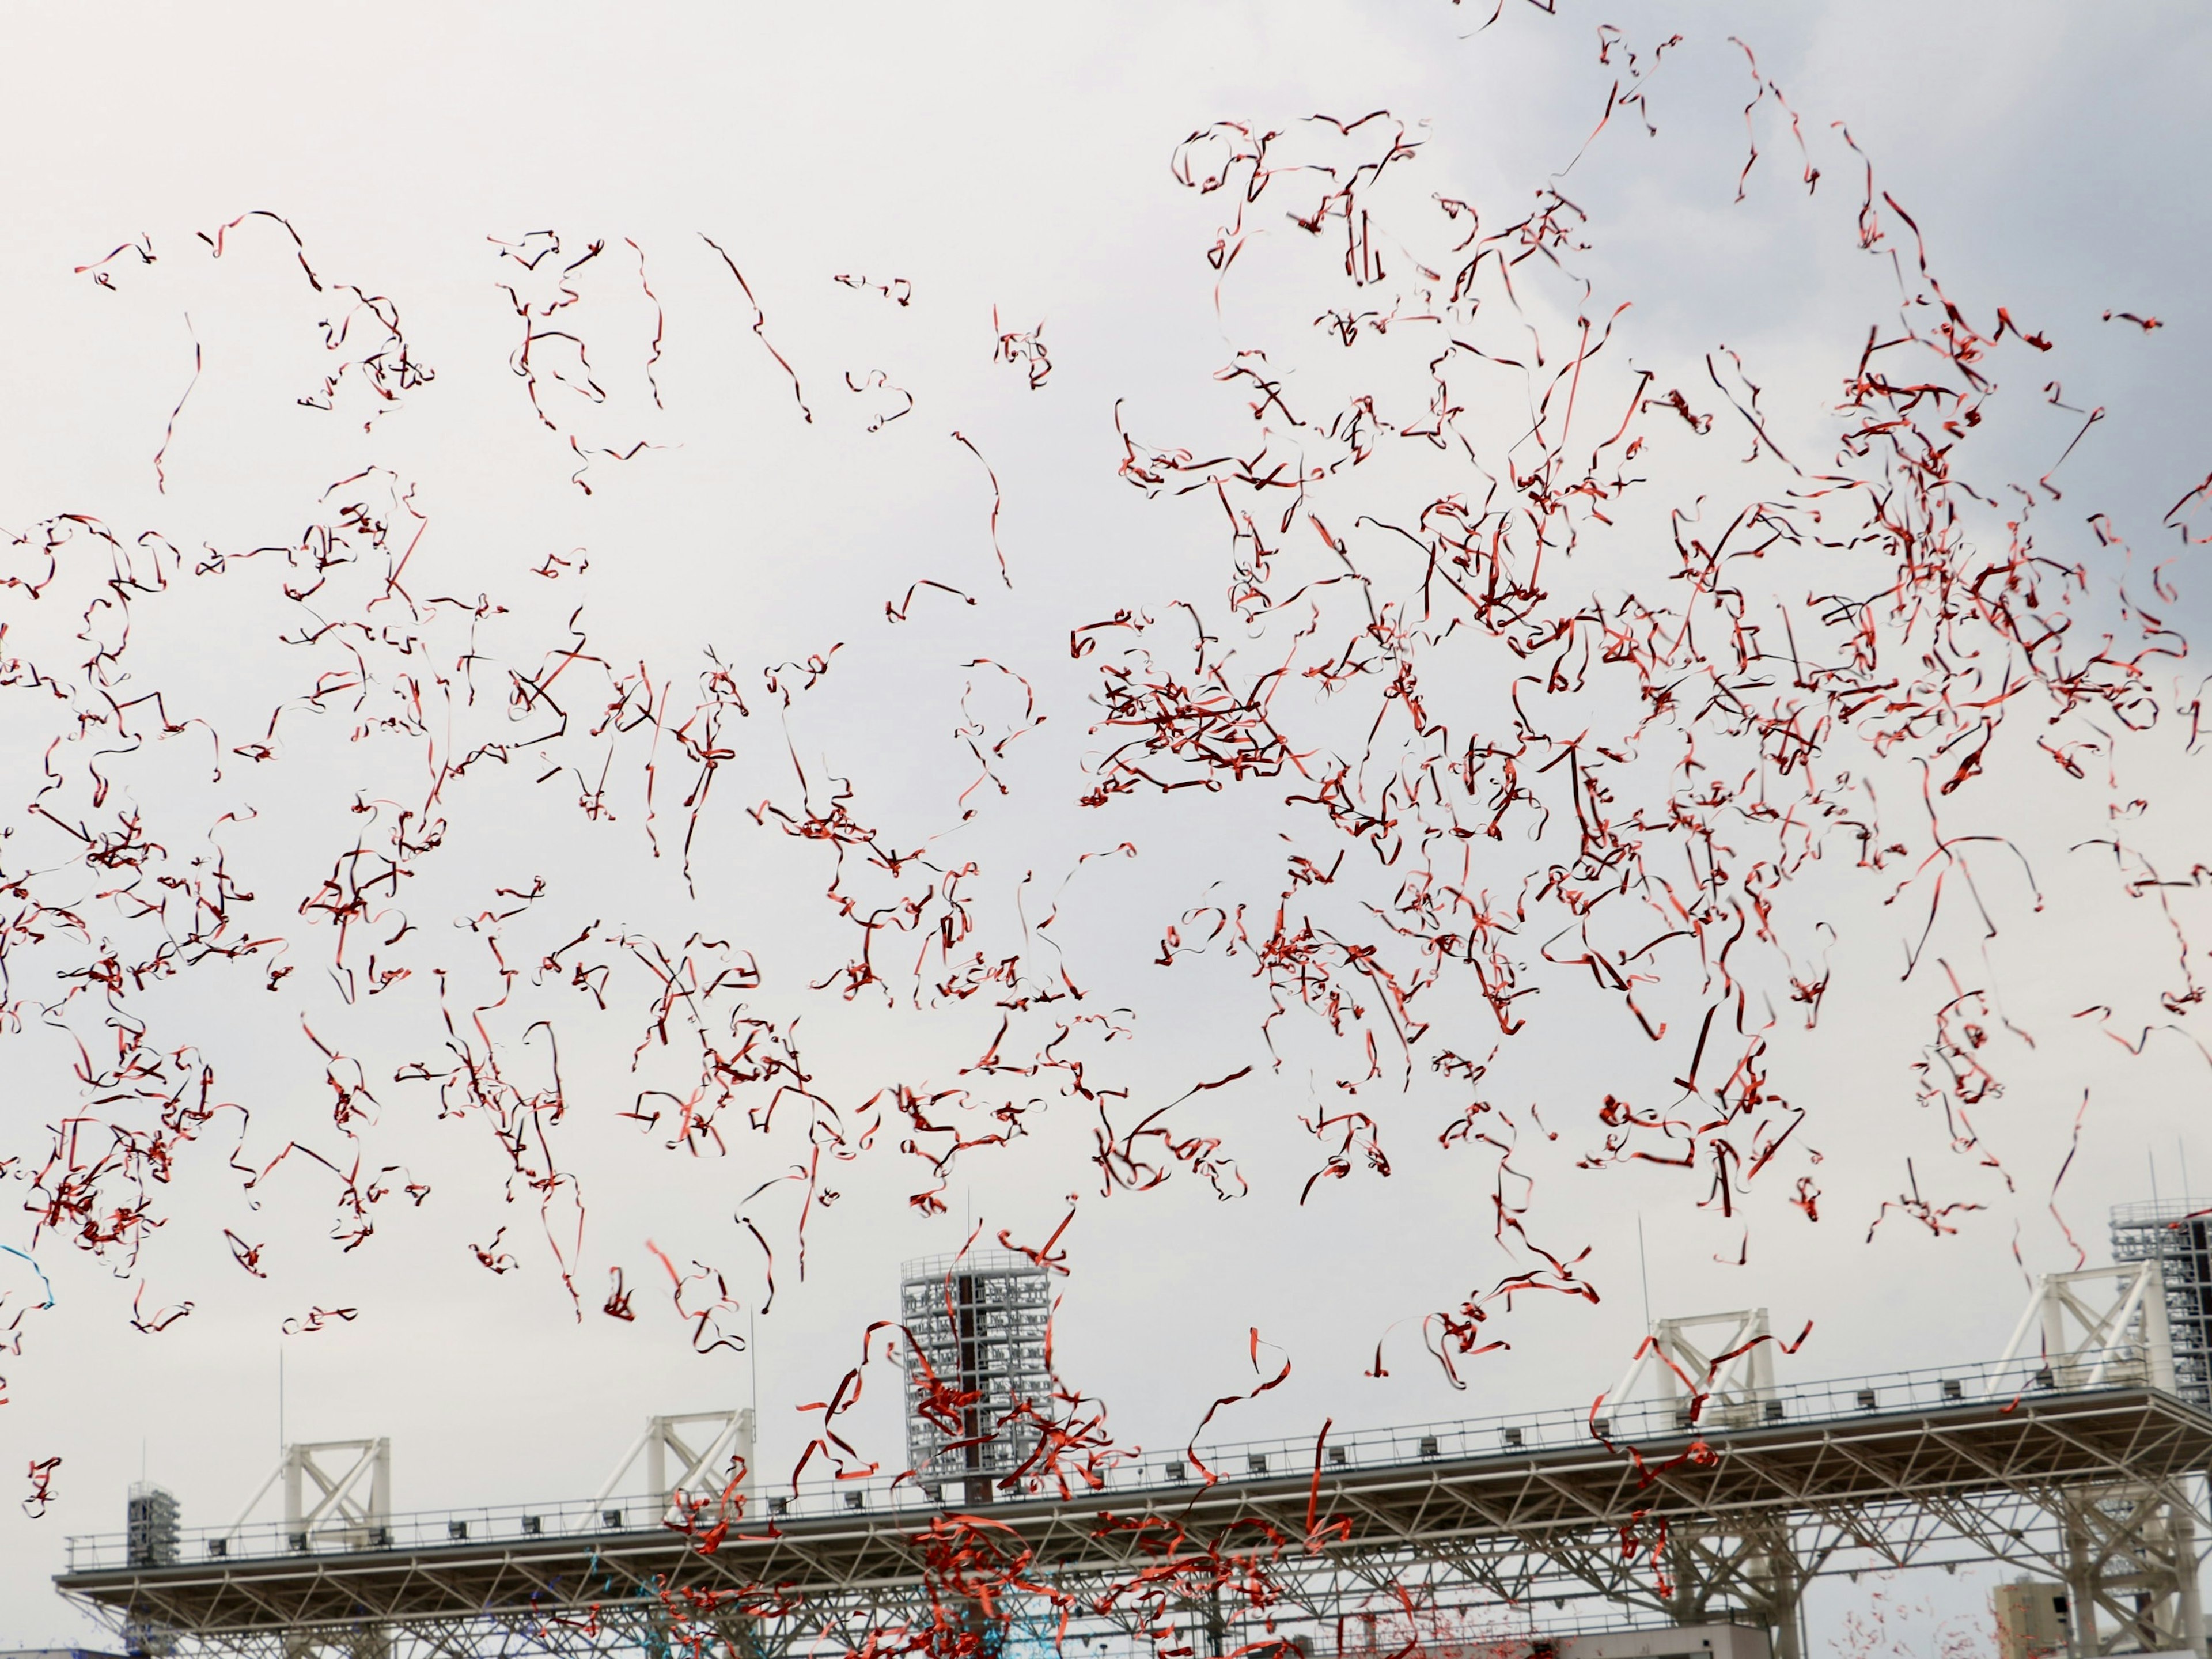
pixel 152 1534
pixel 2177 1236
pixel 979 1322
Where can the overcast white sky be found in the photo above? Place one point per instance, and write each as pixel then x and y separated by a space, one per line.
pixel 995 158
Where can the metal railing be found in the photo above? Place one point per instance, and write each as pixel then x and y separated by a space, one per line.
pixel 979 1264
pixel 2173 1211
pixel 1603 1430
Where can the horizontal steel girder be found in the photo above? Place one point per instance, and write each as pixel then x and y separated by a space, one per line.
pixel 1505 1521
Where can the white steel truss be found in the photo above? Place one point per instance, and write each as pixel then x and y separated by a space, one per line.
pixel 1725 1381
pixel 2086 1339
pixel 2075 1463
pixel 1672 1532
pixel 706 1468
pixel 350 1505
pixel 2130 1553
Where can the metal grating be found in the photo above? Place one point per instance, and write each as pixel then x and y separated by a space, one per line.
pixel 980 1322
pixel 2177 1235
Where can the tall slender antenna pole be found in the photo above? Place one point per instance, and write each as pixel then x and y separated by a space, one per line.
pixel 2151 1159
pixel 752 1351
pixel 1643 1261
pixel 280 1398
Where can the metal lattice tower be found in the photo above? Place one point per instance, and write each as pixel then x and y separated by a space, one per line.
pixel 979 1322
pixel 2177 1236
pixel 152 1526
pixel 150 1538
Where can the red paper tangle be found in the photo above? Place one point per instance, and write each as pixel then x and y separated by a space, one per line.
pixel 141 248
pixel 760 327
pixel 1024 349
pixel 1543 723
pixel 42 1486
pixel 897 290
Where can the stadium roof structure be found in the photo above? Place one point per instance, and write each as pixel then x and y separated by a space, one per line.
pixel 2082 1473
